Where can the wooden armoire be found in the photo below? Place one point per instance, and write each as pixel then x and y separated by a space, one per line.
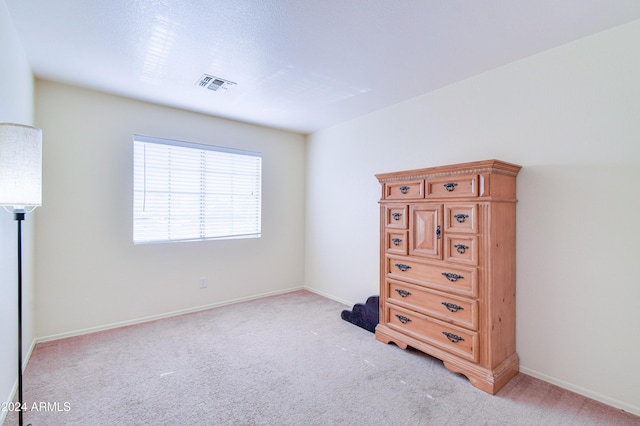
pixel 447 267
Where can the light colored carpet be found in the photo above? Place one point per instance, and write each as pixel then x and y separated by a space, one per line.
pixel 281 360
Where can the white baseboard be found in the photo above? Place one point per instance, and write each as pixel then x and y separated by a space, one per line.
pixel 582 391
pixel 329 296
pixel 160 316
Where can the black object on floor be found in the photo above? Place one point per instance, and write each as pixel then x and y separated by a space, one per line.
pixel 364 315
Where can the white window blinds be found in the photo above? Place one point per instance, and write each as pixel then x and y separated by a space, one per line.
pixel 184 191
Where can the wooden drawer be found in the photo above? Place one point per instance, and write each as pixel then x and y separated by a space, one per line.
pixel 396 216
pixel 457 340
pixel 457 310
pixel 454 186
pixel 461 249
pixel 462 218
pixel 404 190
pixel 441 276
pixel 396 241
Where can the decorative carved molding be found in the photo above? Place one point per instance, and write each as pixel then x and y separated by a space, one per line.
pixel 482 167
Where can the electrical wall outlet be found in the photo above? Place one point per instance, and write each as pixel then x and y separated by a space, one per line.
pixel 203 282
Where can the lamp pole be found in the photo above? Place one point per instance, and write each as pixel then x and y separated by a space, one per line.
pixel 19 217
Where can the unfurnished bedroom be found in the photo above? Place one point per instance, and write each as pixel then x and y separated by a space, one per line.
pixel 279 212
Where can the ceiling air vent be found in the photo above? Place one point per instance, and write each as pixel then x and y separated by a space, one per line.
pixel 216 84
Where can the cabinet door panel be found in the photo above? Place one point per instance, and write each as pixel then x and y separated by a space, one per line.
pixel 425 235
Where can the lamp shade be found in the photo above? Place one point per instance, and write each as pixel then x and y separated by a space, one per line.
pixel 20 166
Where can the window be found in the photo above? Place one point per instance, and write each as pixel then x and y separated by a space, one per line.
pixel 184 191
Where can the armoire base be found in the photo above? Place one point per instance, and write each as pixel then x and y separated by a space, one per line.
pixel 487 380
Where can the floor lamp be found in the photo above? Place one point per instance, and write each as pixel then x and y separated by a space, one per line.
pixel 20 193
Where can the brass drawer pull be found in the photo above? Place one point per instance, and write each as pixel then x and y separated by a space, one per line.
pixel 404 189
pixel 452 307
pixel 452 277
pixel 396 216
pixel 450 186
pixel 396 241
pixel 403 267
pixel 403 319
pixel 403 293
pixel 461 248
pixel 453 338
pixel 461 217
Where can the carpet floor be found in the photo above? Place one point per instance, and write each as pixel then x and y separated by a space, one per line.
pixel 281 360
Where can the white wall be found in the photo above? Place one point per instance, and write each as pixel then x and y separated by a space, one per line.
pixel 90 275
pixel 571 118
pixel 16 106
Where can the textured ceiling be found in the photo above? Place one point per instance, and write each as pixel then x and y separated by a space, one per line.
pixel 301 65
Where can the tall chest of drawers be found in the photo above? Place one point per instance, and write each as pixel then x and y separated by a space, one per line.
pixel 447 267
